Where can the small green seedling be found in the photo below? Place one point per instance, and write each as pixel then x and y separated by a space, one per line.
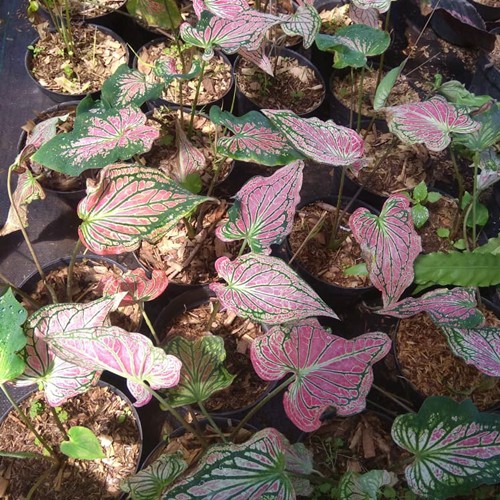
pixel 419 198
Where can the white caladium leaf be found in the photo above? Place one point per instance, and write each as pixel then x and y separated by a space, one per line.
pixel 429 122
pixel 299 460
pixel 98 139
pixel 329 370
pixel 389 244
pixel 380 5
pixel 368 16
pixel 266 290
pixel 304 22
pixel 259 58
pixel 254 469
pixel 451 308
pixel 44 131
pixel 130 355
pixel 190 159
pixel 264 209
pixel 226 9
pixel 489 163
pixel 323 142
pixel 366 486
pixel 479 346
pixel 456 448
pixel 247 30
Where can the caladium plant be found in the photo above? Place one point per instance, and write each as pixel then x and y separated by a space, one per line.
pixel 329 370
pixel 305 22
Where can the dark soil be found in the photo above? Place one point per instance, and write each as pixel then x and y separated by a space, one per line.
pixel 91 8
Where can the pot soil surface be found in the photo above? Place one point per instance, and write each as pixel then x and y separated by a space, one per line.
pixel 100 410
pixel 97 56
pixel 427 362
pixel 215 83
pixel 294 86
pixel 188 260
pixel 86 277
pixel 93 8
pixel 334 19
pixel 320 261
pixel 237 334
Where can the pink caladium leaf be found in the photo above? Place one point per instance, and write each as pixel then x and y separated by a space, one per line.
pixel 452 308
pixel 390 244
pixel 304 22
pixel 264 209
pixel 479 346
pixel 366 16
pixel 225 9
pixel 247 30
pixel 136 284
pixel 190 159
pixel 254 138
pixel 130 203
pixel 455 447
pixel 380 5
pixel 61 379
pixel 254 469
pixel 98 139
pixel 259 58
pixel 323 142
pixel 266 290
pixel 329 370
pixel 429 122
pixel 129 355
pixel 44 131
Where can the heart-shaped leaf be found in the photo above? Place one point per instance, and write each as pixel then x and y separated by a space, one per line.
pixel 44 131
pixel 266 290
pixel 489 163
pixel 389 244
pixel 452 308
pixel 329 370
pixel 366 16
pixel 385 87
pixel 130 203
pixel 149 482
pixel 323 142
pixel 12 338
pixel 429 122
pixel 202 372
pixel 98 139
pixel 364 486
pixel 255 469
pixel 83 444
pixel 136 284
pixel 226 9
pixel 456 448
pixel 264 209
pixel 259 58
pixel 254 139
pixel 161 13
pixel 304 22
pixel 130 355
pixel 380 5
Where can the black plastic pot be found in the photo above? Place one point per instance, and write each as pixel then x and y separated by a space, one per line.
pixel 486 79
pixel 245 104
pixel 180 305
pixel 62 96
pixel 487 12
pixel 334 295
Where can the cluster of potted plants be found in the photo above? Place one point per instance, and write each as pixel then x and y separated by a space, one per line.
pixel 281 272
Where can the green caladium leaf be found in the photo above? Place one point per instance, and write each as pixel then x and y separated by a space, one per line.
pixel 148 483
pixel 420 192
pixel 98 139
pixel 456 447
pixel 202 371
pixel 161 13
pixel 385 87
pixel 83 444
pixel 364 486
pixel 420 215
pixel 455 92
pixel 254 138
pixel 130 203
pixel 380 5
pixel 353 44
pixel 492 247
pixel 12 338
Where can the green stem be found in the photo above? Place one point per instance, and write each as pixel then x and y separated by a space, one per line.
pixel 150 324
pixel 311 233
pixel 59 424
pixel 360 98
pixel 40 480
pixel 458 177
pixel 189 227
pixel 213 314
pixel 29 425
pixel 336 218
pixel 242 248
pixel 260 404
pixel 393 398
pixel 26 238
pixel 351 108
pixel 382 57
pixel 212 422
pixel 196 95
pixel 474 202
pixel 71 266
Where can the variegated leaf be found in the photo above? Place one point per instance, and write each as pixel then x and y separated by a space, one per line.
pixel 44 131
pixel 304 22
pixel 130 203
pixel 259 58
pixel 266 290
pixel 479 346
pixel 489 164
pixel 165 68
pixel 202 372
pixel 98 139
pixel 149 482
pixel 299 461
pixel 136 284
pixel 190 159
pixel 225 9
pixel 247 30
pixel 452 308
pixel 254 138
pixel 164 14
pixel 389 244
pixel 129 87
pixel 329 370
pixel 28 189
pixel 355 486
pixel 456 448
pixel 323 142
pixel 368 16
pixel 264 209
pixel 129 355
pixel 254 469
pixel 429 122
pixel 380 5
